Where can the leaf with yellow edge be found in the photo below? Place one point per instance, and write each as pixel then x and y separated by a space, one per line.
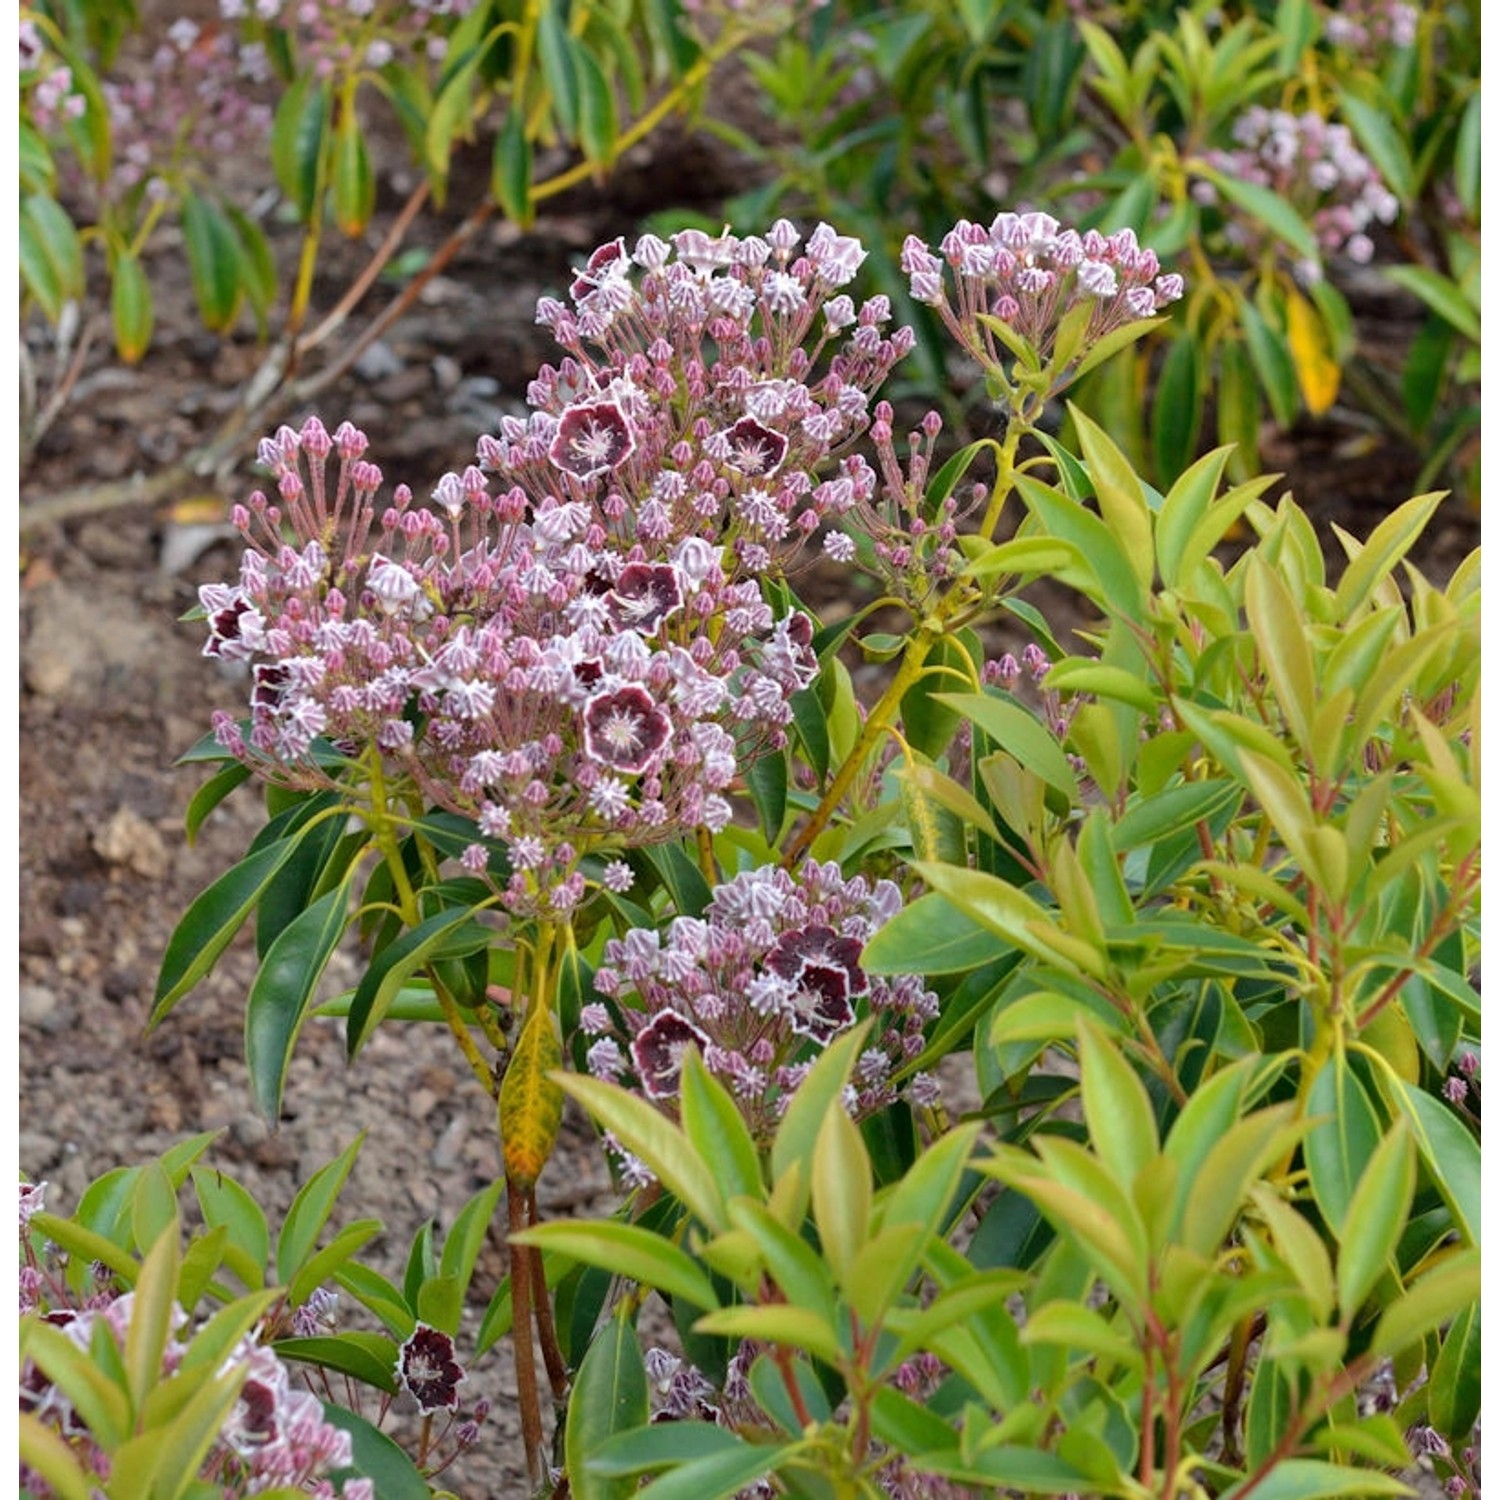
pixel 1317 372
pixel 531 1102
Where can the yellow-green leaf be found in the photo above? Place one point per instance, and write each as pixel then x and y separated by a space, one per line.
pixel 1317 371
pixel 530 1100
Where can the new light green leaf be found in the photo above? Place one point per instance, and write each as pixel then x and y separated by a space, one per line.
pixel 1375 1218
pixel 1116 1107
pixel 841 1190
pixel 627 1250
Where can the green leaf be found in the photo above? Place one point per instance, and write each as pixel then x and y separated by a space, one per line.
pixel 716 1129
pixel 817 1094
pixel 396 963
pixel 929 936
pixel 841 1190
pixel 211 923
pixel 325 1263
pixel 379 1458
pixel 1116 1107
pixel 1017 731
pixel 310 1210
pixel 283 990
pixel 1266 207
pixel 646 1133
pixel 213 252
pixel 1152 820
pixel 1285 655
pixel 1122 501
pixel 1383 142
pixel 609 1396
pixel 1433 1300
pixel 626 1250
pixel 368 1357
pixel 1384 548
pixel 556 53
pixel 353 177
pixel 1448 1151
pixel 1375 1218
pixel 44 1451
pixel 1313 1479
pixel 211 794
pixel 130 307
pixel 1338 1144
pixel 1453 1390
pixel 1273 364
pixel 51 254
pixel 598 118
pixel 223 1201
pixel 151 1314
pixel 776 1323
pixel 297 141
pixel 531 1103
pixel 511 171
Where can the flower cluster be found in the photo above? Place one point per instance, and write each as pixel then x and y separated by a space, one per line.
pixel 274 1437
pixel 1371 28
pixel 565 693
pixel 584 661
pixel 765 979
pixel 1026 272
pixel 1318 169
pixel 336 34
pixel 708 385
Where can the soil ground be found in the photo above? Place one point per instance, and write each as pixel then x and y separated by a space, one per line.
pixel 114 689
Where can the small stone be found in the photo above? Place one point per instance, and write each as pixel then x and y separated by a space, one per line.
pixel 450 1144
pixel 378 362
pixel 128 839
pixel 447 372
pixel 37 1004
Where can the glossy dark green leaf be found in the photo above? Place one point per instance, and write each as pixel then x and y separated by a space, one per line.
pixel 1177 407
pixel 1270 209
pixel 212 921
pixel 310 1210
pixel 766 779
pixel 291 889
pixel 1342 1139
pixel 378 1457
pixel 443 935
pixel 211 794
pixel 598 116
pixel 51 255
pixel 556 53
pixel 1384 134
pixel 929 936
pixel 1453 1390
pixel 609 1396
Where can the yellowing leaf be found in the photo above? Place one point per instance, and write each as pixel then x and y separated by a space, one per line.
pixel 1317 373
pixel 530 1102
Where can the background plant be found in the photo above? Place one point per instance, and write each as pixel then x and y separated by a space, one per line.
pixel 553 93
pixel 1125 115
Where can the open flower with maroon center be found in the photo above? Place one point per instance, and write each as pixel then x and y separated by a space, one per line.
pixel 644 595
pixel 625 729
pixel 592 438
pixel 659 1049
pixel 753 449
pixel 427 1369
pixel 824 971
pixel 236 629
pixel 608 260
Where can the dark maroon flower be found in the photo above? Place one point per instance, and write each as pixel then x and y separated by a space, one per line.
pixel 270 683
pixel 658 1052
pixel 644 595
pixel 224 629
pixel 625 729
pixel 428 1369
pixel 592 438
pixel 607 260
pixel 589 671
pixel 824 968
pixel 754 450
pixel 255 1418
pixel 820 945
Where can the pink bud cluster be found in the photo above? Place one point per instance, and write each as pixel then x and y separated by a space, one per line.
pixel 912 544
pixel 1314 165
pixel 1028 272
pixel 759 984
pixel 523 666
pixel 333 35
pixel 1371 28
